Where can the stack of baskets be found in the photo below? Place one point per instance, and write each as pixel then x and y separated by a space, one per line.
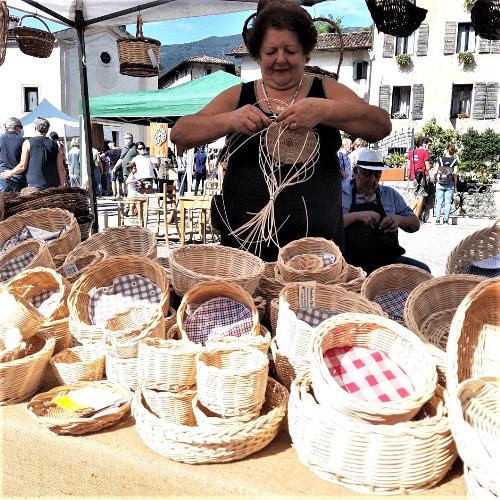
pixel 333 423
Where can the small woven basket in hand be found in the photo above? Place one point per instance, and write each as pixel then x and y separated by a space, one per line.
pixel 123 240
pixel 354 279
pixel 479 245
pixel 232 380
pixel 260 342
pixel 32 41
pixel 49 219
pixel 174 407
pixel 134 54
pixel 485 17
pixel 23 376
pixel 404 458
pixel 330 273
pixel 61 421
pixel 430 308
pixel 207 290
pixel 193 264
pixel 212 444
pixel 77 364
pixel 375 332
pixel 72 269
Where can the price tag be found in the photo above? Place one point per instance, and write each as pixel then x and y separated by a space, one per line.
pixel 307 295
pixel 70 269
pixel 152 58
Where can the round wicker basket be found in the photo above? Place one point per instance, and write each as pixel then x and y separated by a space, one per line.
pixel 72 269
pixel 39 250
pixel 122 371
pixel 174 407
pixel 354 279
pixel 269 288
pixel 77 364
pixel 260 342
pixel 32 41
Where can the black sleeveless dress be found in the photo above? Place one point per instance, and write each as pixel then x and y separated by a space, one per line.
pixel 245 193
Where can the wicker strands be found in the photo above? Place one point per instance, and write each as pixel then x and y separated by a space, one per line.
pixel 49 219
pixel 479 245
pixel 122 371
pixel 232 380
pixel 260 342
pixel 72 269
pixel 32 41
pixel 375 459
pixel 400 345
pixel 485 16
pixel 39 250
pixel 21 377
pixel 212 444
pixel 61 421
pixel 4 26
pixel 396 17
pixel 193 264
pixel 354 279
pixel 59 329
pixel 429 310
pixel 174 407
pixel 329 273
pixel 77 364
pixel 123 240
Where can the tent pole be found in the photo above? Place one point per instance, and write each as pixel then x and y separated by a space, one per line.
pixel 87 126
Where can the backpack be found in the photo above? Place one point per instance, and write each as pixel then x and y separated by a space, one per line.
pixel 444 172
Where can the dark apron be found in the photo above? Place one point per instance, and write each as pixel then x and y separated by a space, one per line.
pixel 368 247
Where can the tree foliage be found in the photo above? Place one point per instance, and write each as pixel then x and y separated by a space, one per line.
pixel 440 138
pixel 324 27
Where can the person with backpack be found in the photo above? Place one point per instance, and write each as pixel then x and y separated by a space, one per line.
pixel 420 165
pixel 446 181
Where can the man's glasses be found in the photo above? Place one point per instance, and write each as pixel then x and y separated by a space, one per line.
pixel 140 149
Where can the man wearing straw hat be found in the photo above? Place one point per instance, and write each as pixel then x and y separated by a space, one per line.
pixel 372 216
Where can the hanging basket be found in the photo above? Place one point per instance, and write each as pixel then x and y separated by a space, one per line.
pixel 139 56
pixel 4 27
pixel 396 17
pixel 485 16
pixel 34 42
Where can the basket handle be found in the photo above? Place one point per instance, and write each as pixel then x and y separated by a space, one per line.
pixel 139 33
pixel 35 17
pixel 341 38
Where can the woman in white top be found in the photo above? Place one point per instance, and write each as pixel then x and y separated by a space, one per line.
pixel 145 168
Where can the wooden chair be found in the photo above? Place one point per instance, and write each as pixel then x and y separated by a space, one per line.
pixel 167 207
pixel 142 204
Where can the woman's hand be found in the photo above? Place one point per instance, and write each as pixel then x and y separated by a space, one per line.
pixel 248 120
pixel 304 114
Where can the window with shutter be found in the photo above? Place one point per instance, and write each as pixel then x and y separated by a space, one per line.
pixel 384 95
pixel 423 40
pixel 461 97
pixel 466 38
pixel 491 107
pixel 400 108
pixel 417 111
pixel 388 50
pixel 404 44
pixel 359 70
pixel 484 46
pixel 450 36
pixel 479 101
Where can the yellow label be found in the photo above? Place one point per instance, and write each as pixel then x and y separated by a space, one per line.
pixel 66 403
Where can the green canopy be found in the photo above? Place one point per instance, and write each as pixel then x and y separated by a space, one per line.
pixel 155 105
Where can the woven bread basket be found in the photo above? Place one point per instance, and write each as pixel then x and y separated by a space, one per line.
pixel 429 309
pixel 102 275
pixel 49 219
pixel 122 371
pixel 331 273
pixel 193 264
pixel 21 377
pixel 72 269
pixel 354 279
pixel 212 444
pixel 113 241
pixel 260 342
pixel 169 364
pixel 295 336
pixel 376 459
pixel 479 245
pixel 375 332
pixel 207 290
pixel 77 364
pixel 174 407
pixel 288 368
pixel 63 422
pixel 33 41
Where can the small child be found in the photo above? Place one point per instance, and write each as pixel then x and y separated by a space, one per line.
pixel 132 183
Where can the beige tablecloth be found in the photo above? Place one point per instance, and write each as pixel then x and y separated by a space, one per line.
pixel 115 462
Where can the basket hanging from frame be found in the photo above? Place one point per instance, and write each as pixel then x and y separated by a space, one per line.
pixel 396 17
pixel 139 56
pixel 4 26
pixel 33 41
pixel 485 17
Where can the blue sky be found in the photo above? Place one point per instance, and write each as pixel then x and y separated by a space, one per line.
pixel 352 12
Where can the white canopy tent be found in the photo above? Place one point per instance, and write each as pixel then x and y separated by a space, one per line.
pixel 63 124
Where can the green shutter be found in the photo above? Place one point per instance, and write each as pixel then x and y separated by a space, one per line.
pixel 450 37
pixel 423 40
pixel 417 110
pixel 479 101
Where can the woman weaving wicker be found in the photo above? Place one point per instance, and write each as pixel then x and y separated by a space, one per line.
pixel 281 39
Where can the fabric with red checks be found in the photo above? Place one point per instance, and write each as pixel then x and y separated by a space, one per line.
pixel 368 374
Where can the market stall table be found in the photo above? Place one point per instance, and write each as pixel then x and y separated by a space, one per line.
pixel 115 462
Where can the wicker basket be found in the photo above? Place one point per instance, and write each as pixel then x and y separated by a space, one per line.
pixel 287 368
pixel 232 381
pixel 269 288
pixel 11 343
pixel 273 313
pixel 77 364
pixel 38 248
pixel 174 407
pixel 480 245
pixel 193 264
pixel 354 279
pixel 295 336
pixel 73 269
pixel 213 444
pixel 133 54
pixel 167 363
pixel 59 329
pixel 23 376
pixel 122 371
pixel 429 309
pixel 63 422
pixel 49 219
pixel 476 491
pixel 485 17
pixel 374 459
pixel 207 290
pixel 260 342
pixel 101 275
pixel 331 273
pixel 375 332
pixel 32 41
pixel 123 240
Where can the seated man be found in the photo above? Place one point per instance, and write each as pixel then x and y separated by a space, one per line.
pixel 372 216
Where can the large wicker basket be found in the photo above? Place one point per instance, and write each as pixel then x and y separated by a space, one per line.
pixel 72 269
pixel 193 264
pixel 32 41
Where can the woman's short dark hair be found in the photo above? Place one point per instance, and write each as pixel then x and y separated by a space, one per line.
pixel 283 15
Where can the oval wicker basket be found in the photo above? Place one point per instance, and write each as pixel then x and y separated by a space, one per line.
pixel 34 42
pixel 72 269
pixel 62 422
pixel 49 219
pixel 213 444
pixel 403 458
pixel 77 364
pixel 40 251
pixel 174 407
pixel 260 342
pixel 23 376
pixel 193 264
pixel 375 332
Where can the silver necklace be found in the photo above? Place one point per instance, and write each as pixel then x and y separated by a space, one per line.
pixel 280 107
